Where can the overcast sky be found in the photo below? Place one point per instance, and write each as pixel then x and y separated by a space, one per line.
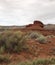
pixel 21 12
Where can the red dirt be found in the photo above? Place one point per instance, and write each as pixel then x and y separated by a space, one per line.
pixel 40 50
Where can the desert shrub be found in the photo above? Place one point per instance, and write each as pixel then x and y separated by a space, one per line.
pixel 2 49
pixel 15 42
pixel 25 63
pixel 38 62
pixel 52 60
pixel 25 46
pixel 37 36
pixel 42 39
pixel 42 62
pixel 4 59
pixel 50 36
pixel 33 35
pixel 12 41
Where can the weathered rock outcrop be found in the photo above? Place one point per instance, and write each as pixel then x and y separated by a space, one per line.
pixel 35 25
pixel 38 23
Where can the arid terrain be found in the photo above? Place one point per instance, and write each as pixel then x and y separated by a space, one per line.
pixel 27 43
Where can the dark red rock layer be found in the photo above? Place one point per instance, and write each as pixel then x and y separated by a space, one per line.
pixel 35 25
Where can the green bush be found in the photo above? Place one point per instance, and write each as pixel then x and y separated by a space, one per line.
pixel 38 62
pixel 16 41
pixel 33 35
pixel 12 41
pixel 2 49
pixel 42 62
pixel 42 39
pixel 4 59
pixel 36 36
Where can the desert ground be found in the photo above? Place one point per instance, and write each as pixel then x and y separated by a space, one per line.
pixel 33 44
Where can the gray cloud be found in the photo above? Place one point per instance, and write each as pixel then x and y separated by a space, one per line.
pixel 21 12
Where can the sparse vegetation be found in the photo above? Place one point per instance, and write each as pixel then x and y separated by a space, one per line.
pixel 50 36
pixel 11 42
pixel 38 62
pixel 4 59
pixel 37 36
pixel 42 39
pixel 33 35
pixel 16 42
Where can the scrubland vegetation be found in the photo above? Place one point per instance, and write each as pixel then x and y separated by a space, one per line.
pixel 16 42
pixel 38 62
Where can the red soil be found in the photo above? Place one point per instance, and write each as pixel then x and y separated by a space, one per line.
pixel 46 50
pixel 40 50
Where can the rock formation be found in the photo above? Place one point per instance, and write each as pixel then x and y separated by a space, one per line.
pixel 35 25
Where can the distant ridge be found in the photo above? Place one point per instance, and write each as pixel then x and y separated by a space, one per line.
pixel 36 25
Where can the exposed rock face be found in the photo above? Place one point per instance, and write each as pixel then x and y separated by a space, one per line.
pixel 38 23
pixel 35 25
pixel 29 25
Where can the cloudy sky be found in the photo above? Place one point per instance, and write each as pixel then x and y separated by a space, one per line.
pixel 21 12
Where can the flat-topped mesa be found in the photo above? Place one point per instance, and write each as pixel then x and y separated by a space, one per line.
pixel 36 25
